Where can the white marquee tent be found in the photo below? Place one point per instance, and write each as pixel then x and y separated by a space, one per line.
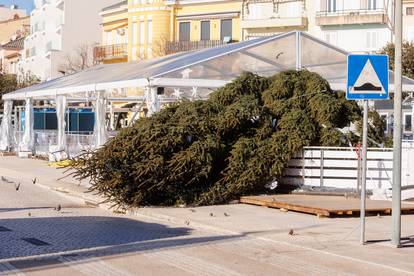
pixel 191 75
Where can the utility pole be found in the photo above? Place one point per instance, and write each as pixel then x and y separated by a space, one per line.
pixel 396 174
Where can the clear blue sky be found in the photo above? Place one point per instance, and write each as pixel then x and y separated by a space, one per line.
pixel 23 4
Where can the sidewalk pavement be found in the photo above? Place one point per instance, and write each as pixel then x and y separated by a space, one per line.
pixel 47 177
pixel 331 236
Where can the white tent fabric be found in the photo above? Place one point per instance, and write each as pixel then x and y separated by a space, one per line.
pixel 100 133
pixel 27 143
pixel 61 113
pixel 209 68
pixel 151 98
pixel 6 128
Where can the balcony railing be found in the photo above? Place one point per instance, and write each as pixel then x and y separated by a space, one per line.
pixel 109 52
pixel 184 46
pixel 343 17
pixel 350 12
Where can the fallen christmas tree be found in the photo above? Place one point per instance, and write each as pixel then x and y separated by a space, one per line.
pixel 209 152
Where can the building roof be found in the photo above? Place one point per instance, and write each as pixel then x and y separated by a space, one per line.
pixel 210 68
pixel 17 44
pixel 115 6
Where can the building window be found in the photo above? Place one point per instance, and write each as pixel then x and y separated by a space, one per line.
pixel 410 11
pixel 149 31
pixel 410 34
pixel 135 33
pixel 408 122
pixel 184 31
pixel 226 29
pixel 372 4
pixel 134 53
pixel 141 32
pixel 109 38
pixel 372 40
pixel 331 5
pixel 205 30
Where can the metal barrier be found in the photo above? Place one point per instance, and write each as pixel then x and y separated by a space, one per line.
pixel 76 142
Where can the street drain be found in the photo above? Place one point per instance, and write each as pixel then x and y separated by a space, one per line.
pixel 35 241
pixel 4 229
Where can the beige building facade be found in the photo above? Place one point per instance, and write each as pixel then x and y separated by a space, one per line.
pixel 11 27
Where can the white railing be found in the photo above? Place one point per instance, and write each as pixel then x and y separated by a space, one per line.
pixel 43 139
pixel 338 167
pixel 76 142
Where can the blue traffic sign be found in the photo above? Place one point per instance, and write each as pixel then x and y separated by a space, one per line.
pixel 367 77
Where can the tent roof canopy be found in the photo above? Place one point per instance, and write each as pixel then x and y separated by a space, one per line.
pixel 209 68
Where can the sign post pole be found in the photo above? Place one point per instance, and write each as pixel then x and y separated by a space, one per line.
pixel 396 173
pixel 367 79
pixel 364 171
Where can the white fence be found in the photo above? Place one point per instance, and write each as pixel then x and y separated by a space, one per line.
pixel 338 168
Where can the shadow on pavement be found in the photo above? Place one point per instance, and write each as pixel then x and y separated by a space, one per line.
pixel 4 210
pixel 63 234
pixel 406 242
pixel 82 238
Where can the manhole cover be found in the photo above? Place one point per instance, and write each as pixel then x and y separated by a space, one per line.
pixel 35 241
pixel 4 229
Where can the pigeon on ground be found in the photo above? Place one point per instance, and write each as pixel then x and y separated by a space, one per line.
pixel 29 214
pixel 17 186
pixel 4 179
pixel 34 180
pixel 279 54
pixel 58 208
pixel 291 232
pixel 211 215
pixel 226 215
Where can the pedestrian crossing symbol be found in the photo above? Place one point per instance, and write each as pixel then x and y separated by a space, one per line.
pixel 367 77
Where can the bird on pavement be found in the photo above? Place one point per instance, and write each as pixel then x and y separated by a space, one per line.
pixel 58 208
pixel 211 215
pixel 226 215
pixel 17 186
pixel 291 232
pixel 34 180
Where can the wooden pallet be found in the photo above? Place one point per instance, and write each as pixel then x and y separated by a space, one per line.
pixel 323 206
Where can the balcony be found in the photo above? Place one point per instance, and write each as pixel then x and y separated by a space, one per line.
pixel 268 14
pixel 349 17
pixel 185 46
pixel 274 22
pixel 110 52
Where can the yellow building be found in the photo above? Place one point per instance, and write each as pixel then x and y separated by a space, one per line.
pixel 152 28
pixel 115 33
pixel 200 24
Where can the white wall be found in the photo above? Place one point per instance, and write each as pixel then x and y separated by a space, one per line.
pixel 66 27
pixel 352 38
